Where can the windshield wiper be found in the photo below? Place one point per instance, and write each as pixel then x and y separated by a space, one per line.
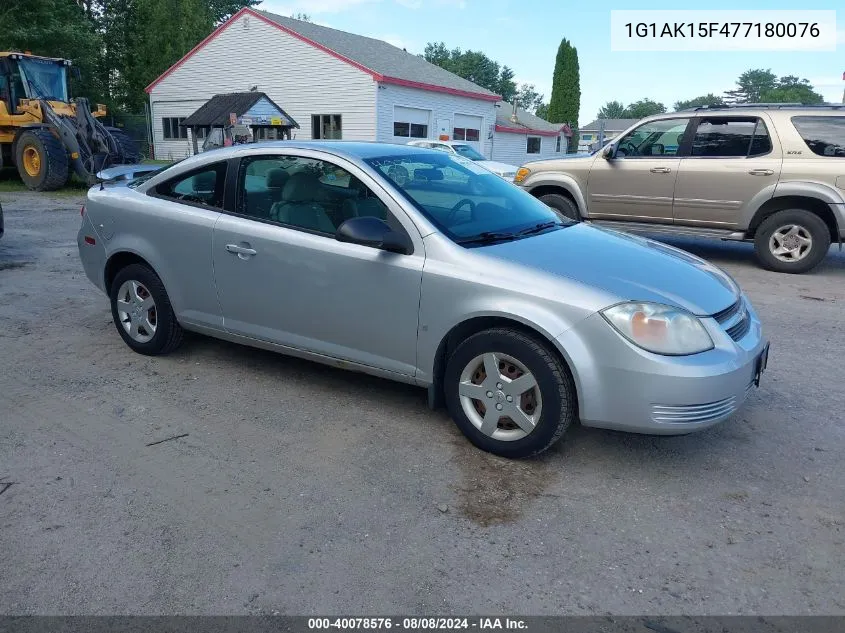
pixel 540 227
pixel 488 237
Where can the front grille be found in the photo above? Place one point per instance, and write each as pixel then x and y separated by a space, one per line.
pixel 735 320
pixel 694 413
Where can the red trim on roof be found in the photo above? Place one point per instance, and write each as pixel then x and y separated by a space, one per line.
pixel 435 88
pixel 526 131
pixel 376 76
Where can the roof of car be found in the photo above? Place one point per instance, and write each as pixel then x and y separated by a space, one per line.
pixel 354 149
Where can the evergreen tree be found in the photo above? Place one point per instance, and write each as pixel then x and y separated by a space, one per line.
pixel 566 86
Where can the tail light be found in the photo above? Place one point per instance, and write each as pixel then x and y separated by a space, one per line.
pixel 82 211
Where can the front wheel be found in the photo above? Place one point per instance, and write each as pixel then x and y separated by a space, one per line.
pixel 562 205
pixel 41 160
pixel 792 241
pixel 508 393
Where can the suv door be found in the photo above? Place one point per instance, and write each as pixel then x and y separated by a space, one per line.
pixel 282 277
pixel 638 182
pixel 732 161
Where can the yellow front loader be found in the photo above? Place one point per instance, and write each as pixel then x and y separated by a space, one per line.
pixel 46 135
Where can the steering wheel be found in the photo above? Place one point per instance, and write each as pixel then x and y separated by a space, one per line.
pixel 626 149
pixel 457 207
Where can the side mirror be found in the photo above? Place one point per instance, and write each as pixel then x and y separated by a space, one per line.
pixel 658 149
pixel 608 152
pixel 373 232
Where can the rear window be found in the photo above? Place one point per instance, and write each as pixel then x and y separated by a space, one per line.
pixel 824 135
pixel 731 137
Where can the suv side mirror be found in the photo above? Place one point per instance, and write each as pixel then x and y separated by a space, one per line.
pixel 373 232
pixel 608 152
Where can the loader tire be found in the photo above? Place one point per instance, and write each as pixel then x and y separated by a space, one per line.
pixel 41 160
pixel 130 153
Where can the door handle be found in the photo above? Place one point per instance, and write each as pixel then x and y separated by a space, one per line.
pixel 761 172
pixel 660 170
pixel 243 252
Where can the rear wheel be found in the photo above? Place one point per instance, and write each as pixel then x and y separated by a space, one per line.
pixel 792 241
pixel 562 205
pixel 130 153
pixel 508 393
pixel 142 312
pixel 41 160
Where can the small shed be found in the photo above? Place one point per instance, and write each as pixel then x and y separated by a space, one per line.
pixel 238 117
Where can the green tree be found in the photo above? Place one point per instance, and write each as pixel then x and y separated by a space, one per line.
pixel 528 98
pixel 612 110
pixel 791 89
pixel 643 108
pixel 565 101
pixel 474 66
pixel 56 28
pixel 705 100
pixel 303 17
pixel 751 85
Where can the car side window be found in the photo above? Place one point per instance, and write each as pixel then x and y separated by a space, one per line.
pixel 303 193
pixel 654 139
pixel 731 137
pixel 203 186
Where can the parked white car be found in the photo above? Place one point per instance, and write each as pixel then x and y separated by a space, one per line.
pixel 503 170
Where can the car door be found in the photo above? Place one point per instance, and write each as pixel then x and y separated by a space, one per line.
pixel 179 222
pixel 732 161
pixel 637 182
pixel 282 277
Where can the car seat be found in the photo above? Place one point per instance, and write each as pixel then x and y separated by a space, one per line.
pixel 297 206
pixel 275 180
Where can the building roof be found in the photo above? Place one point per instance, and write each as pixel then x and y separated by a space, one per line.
pixel 610 125
pixel 385 62
pixel 526 123
pixel 216 111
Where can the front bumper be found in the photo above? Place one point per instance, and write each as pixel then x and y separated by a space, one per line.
pixel 623 387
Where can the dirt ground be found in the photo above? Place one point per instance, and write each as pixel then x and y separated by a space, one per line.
pixel 305 490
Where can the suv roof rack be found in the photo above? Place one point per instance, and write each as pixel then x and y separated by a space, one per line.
pixel 766 106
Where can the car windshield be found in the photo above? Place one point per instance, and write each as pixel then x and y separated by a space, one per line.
pixel 44 79
pixel 468 152
pixel 147 175
pixel 465 201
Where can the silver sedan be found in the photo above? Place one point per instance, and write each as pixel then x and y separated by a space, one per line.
pixel 425 268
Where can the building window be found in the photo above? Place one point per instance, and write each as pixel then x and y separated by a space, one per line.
pixel 326 126
pixel 410 130
pixel 586 137
pixel 557 145
pixel 533 146
pixel 172 129
pixel 466 134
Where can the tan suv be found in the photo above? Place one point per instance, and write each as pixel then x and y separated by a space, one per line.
pixel 771 174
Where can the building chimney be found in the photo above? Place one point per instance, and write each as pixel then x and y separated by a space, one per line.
pixel 514 118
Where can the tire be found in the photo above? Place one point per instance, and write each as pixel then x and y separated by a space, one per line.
pixel 552 412
pixel 130 154
pixel 809 240
pixel 562 205
pixel 41 159
pixel 166 334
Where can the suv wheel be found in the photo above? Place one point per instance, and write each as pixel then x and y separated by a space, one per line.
pixel 792 241
pixel 561 205
pixel 508 393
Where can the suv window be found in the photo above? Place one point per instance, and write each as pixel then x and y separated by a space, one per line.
pixel 824 135
pixel 302 192
pixel 727 137
pixel 653 139
pixel 203 186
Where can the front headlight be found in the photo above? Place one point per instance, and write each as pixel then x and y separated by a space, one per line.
pixel 521 174
pixel 658 328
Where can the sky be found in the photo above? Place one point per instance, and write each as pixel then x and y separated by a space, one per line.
pixel 525 34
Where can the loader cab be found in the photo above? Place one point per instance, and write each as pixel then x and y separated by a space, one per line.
pixel 29 77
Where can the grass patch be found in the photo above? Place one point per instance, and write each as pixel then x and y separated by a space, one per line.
pixel 10 182
pixel 155 161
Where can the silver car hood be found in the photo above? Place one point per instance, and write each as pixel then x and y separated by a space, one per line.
pixel 628 266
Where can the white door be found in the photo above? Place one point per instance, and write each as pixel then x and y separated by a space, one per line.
pixel 444 129
pixel 468 129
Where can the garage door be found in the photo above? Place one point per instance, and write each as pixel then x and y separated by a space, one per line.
pixel 468 128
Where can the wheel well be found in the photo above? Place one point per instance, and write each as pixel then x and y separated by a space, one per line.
pixel 463 331
pixel 542 190
pixel 118 262
pixel 813 205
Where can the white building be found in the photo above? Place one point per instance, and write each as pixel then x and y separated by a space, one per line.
pixel 336 85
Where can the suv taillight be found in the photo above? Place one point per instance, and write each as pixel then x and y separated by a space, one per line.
pixel 82 211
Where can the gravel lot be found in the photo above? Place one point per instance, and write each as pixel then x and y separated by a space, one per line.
pixel 300 489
